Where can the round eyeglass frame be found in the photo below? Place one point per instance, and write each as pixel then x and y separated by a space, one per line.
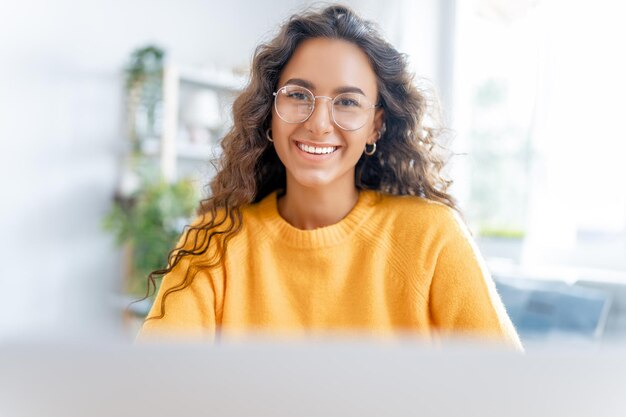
pixel 332 108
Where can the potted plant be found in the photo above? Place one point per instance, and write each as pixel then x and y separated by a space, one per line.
pixel 144 92
pixel 148 223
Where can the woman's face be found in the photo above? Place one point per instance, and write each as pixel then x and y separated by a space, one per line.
pixel 326 67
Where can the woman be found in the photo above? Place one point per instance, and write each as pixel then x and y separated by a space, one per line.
pixel 328 212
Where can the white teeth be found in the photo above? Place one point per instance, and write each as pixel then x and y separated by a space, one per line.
pixel 314 150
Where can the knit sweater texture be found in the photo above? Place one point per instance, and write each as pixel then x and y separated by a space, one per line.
pixel 395 265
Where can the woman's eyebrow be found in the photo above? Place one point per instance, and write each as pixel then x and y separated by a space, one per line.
pixel 348 89
pixel 300 82
pixel 309 85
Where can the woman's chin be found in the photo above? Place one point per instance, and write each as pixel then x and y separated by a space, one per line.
pixel 314 182
pixel 321 179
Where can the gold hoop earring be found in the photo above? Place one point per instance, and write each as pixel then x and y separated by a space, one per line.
pixel 370 153
pixel 267 135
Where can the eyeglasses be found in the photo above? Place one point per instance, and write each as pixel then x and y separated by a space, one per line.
pixel 295 104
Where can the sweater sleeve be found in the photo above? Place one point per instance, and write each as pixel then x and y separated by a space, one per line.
pixel 463 298
pixel 188 313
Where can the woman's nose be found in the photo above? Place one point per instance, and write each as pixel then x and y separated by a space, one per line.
pixel 321 120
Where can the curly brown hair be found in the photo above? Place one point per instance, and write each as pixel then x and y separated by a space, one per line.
pixel 407 161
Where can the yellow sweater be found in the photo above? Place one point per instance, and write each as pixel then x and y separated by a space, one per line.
pixel 392 266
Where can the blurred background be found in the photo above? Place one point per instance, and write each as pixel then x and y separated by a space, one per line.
pixel 110 113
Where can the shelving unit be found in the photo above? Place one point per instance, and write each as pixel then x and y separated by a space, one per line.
pixel 174 151
pixel 176 116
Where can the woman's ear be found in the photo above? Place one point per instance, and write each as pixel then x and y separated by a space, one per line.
pixel 379 121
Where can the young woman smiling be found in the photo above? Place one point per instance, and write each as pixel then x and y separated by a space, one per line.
pixel 328 212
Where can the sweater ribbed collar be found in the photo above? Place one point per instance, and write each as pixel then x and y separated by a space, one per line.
pixel 326 236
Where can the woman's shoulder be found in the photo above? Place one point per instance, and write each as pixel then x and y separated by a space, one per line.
pixel 223 220
pixel 206 229
pixel 420 224
pixel 417 216
pixel 414 207
pixel 263 211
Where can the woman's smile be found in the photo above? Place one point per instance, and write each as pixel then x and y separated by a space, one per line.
pixel 315 151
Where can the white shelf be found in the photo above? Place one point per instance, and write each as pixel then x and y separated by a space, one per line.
pixel 184 150
pixel 212 78
pixel 172 149
pixel 197 151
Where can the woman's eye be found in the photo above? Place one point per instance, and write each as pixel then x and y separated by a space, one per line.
pixel 347 102
pixel 298 96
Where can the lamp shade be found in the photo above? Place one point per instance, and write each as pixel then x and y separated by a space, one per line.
pixel 202 110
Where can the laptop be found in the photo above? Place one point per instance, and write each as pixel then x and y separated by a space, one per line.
pixel 308 378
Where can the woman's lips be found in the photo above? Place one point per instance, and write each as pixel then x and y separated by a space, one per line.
pixel 306 151
pixel 316 149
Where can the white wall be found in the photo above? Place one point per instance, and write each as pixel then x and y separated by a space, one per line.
pixel 61 108
pixel 61 129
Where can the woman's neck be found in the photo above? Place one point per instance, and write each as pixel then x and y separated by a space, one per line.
pixel 311 208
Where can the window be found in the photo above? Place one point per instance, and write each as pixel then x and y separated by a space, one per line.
pixel 539 111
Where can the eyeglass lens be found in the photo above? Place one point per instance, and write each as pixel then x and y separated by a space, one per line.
pixel 296 104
